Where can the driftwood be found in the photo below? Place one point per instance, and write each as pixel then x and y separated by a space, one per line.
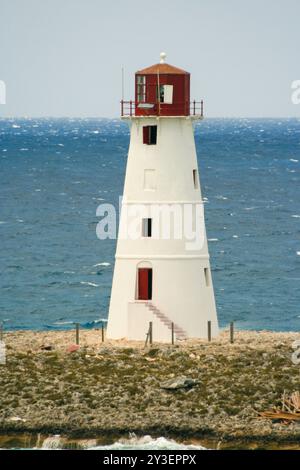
pixel 290 409
pixel 276 414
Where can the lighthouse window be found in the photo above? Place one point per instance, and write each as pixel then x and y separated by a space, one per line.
pixel 149 180
pixel 195 179
pixel 147 228
pixel 165 94
pixel 150 135
pixel 206 275
pixel 141 88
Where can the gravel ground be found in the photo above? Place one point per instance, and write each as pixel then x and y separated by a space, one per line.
pixel 113 388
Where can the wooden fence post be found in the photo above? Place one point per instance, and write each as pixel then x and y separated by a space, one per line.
pixel 209 330
pixel 102 332
pixel 232 332
pixel 172 333
pixel 77 333
pixel 150 333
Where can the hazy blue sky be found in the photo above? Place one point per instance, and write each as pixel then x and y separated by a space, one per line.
pixel 64 57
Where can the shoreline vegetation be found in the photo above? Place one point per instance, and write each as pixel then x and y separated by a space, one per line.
pixel 108 390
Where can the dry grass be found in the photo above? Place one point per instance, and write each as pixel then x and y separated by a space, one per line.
pixel 114 387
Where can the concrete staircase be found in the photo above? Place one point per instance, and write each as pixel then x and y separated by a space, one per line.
pixel 179 332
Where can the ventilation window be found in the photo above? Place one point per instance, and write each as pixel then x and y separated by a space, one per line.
pixel 150 135
pixel 149 180
pixel 195 179
pixel 206 275
pixel 147 228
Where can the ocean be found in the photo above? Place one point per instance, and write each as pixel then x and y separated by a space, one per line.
pixel 54 173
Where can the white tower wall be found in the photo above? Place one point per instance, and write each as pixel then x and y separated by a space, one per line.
pixel 161 175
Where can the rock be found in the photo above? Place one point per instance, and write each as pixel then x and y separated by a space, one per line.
pixel 16 418
pixel 73 348
pixel 47 348
pixel 179 382
pixel 153 352
pixel 105 351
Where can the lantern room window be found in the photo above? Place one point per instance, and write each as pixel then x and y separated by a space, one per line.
pixel 165 94
pixel 150 135
pixel 141 88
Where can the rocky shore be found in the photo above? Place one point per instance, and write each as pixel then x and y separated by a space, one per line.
pixel 107 390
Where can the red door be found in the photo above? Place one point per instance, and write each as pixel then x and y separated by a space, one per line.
pixel 145 284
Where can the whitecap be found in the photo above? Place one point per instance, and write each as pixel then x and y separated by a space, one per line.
pixel 101 264
pixel 92 284
pixel 213 239
pixel 298 253
pixel 15 126
pixel 296 216
pixel 3 222
pixel 24 149
pixel 235 236
pixel 293 160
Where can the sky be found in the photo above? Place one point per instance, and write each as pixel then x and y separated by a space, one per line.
pixel 64 57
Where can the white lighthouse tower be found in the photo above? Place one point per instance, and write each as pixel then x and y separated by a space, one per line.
pixel 162 271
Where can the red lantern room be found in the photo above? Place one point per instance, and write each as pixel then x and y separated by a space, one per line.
pixel 162 90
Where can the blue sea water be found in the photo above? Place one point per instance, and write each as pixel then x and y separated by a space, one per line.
pixel 55 172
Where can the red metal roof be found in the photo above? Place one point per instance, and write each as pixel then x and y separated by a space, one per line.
pixel 161 69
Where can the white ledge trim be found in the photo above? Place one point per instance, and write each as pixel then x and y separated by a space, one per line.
pixel 126 202
pixel 149 257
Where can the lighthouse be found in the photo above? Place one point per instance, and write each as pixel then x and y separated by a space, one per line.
pixel 162 274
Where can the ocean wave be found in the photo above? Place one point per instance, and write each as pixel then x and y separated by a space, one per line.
pixel 101 264
pixel 65 324
pixel 147 443
pixel 86 283
pixel 91 324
